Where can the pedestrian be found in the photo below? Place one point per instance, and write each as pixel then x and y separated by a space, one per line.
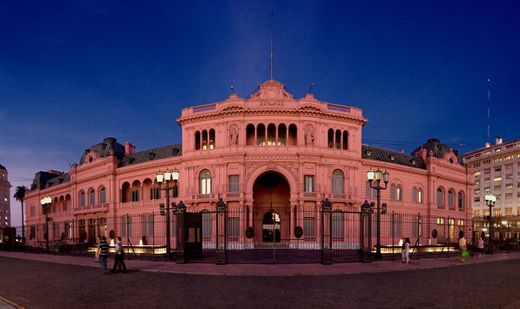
pixel 119 259
pixel 407 250
pixel 102 252
pixel 480 247
pixel 402 244
pixel 463 250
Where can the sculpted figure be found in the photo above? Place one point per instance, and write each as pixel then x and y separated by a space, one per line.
pixel 233 136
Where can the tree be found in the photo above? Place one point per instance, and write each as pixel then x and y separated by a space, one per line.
pixel 19 195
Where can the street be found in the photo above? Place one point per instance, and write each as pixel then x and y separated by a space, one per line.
pixel 47 285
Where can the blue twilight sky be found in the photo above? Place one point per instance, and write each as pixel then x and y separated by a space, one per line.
pixel 74 72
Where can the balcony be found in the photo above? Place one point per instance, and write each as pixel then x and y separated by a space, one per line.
pixel 91 208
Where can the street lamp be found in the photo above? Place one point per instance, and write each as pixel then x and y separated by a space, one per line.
pixel 46 203
pixel 491 199
pixel 166 178
pixel 374 179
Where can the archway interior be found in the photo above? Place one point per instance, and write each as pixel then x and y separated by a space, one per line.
pixel 271 194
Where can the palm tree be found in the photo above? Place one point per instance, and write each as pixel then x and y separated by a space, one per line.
pixel 19 195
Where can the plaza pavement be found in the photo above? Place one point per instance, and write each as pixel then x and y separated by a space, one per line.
pixel 267 269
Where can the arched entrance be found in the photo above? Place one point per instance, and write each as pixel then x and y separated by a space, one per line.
pixel 271 194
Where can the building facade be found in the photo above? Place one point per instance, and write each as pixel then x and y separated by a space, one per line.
pixel 5 209
pixel 273 159
pixel 495 170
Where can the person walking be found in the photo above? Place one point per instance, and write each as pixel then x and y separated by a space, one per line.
pixel 407 250
pixel 119 260
pixel 402 244
pixel 463 247
pixel 480 247
pixel 102 252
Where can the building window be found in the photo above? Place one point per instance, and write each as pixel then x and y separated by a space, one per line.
pixel 102 195
pixel 33 211
pixel 309 183
pixel 440 197
pixel 197 140
pixel 330 138
pixel 393 192
pixel 399 193
pixel 337 182
pixel 155 193
pixel 345 140
pixel 451 198
pixel 135 195
pixel 205 182
pixel 419 196
pixel 414 194
pixel 309 228
pixel 91 197
pixel 234 185
pixel 82 199
pixel 460 200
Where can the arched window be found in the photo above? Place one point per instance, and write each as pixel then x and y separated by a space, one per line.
pixel 293 135
pixel 451 198
pixel 102 195
pixel 82 199
pixel 337 182
pixel 250 134
pixel 125 192
pixel 260 134
pixel 282 134
pixel 211 139
pixel 440 197
pixel 460 200
pixel 204 140
pixel 419 196
pixel 330 138
pixel 271 135
pixel 197 140
pixel 91 197
pixel 414 194
pixel 393 192
pixel 205 182
pixel 399 193
pixel 338 139
pixel 345 140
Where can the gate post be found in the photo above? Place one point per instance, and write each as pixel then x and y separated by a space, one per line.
pixel 326 232
pixel 221 226
pixel 180 212
pixel 365 225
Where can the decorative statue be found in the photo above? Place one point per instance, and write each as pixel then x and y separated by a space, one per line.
pixel 233 136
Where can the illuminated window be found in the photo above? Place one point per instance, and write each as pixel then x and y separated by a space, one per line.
pixel 205 182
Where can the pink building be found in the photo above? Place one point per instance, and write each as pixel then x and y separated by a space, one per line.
pixel 273 159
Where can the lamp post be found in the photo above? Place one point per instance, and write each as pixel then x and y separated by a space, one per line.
pixel 46 202
pixel 374 179
pixel 491 199
pixel 166 178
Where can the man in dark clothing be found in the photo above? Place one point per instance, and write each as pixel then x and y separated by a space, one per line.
pixel 103 254
pixel 119 260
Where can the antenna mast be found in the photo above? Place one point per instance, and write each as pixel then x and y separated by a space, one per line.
pixel 271 47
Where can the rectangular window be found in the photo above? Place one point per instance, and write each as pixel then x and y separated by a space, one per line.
pixel 92 198
pixel 82 200
pixel 32 234
pixel 33 211
pixel 395 225
pixel 135 196
pixel 233 228
pixel 155 193
pixel 234 185
pixel 309 183
pixel 309 228
pixel 419 196
pixel 205 186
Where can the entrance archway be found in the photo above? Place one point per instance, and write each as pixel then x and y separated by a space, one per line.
pixel 271 194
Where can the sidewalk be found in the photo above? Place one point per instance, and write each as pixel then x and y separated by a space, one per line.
pixel 266 269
